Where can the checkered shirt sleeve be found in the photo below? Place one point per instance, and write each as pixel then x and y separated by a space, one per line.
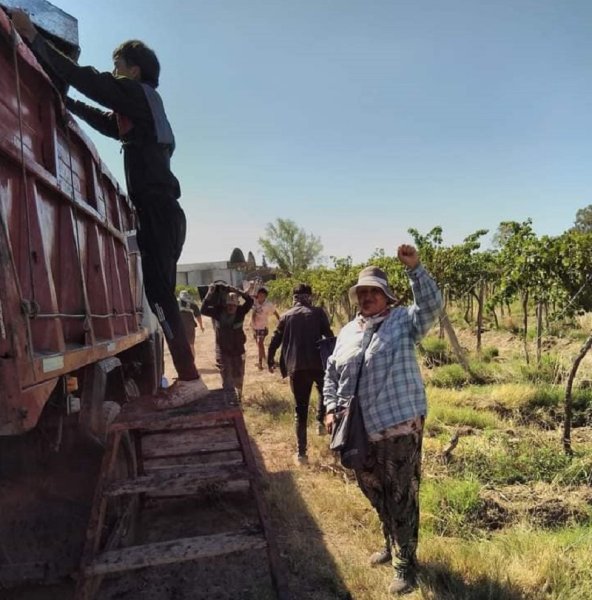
pixel 391 389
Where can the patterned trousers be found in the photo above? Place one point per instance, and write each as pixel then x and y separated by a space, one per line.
pixel 232 370
pixel 390 480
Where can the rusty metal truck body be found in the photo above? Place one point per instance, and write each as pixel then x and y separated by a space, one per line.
pixel 74 324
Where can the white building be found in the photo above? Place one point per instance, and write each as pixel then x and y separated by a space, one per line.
pixel 200 274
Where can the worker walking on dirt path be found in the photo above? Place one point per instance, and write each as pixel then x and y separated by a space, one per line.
pixel 191 317
pixel 222 304
pixel 139 121
pixel 298 333
pixel 262 308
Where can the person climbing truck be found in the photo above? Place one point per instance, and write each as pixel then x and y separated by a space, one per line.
pixel 139 121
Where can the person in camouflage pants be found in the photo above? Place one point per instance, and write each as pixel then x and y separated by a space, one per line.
pixel 390 480
pixel 375 360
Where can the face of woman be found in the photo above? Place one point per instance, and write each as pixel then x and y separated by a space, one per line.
pixel 371 300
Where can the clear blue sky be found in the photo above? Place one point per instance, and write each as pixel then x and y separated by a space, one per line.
pixel 361 118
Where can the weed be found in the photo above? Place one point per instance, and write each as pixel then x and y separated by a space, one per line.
pixel 454 375
pixel 450 506
pixel 445 414
pixel 449 376
pixel 435 351
pixel 489 353
pixel 503 459
pixel 549 370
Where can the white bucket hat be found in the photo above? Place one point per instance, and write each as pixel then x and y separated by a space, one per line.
pixel 372 277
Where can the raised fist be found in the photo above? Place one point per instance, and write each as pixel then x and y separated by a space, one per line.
pixel 408 256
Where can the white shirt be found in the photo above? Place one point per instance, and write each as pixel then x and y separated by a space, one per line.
pixel 261 314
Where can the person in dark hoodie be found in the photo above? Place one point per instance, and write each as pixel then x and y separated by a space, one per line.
pixel 137 118
pixel 228 316
pixel 298 333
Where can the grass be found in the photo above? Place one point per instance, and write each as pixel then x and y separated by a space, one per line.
pixel 550 370
pixel 435 351
pixel 450 506
pixel 449 376
pixel 522 564
pixel 441 413
pixel 489 353
pixel 503 459
pixel 506 518
pixel 455 376
pixel 538 405
pixel 474 545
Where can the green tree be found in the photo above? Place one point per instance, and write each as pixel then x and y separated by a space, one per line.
pixel 503 232
pixel 572 252
pixel 289 246
pixel 583 222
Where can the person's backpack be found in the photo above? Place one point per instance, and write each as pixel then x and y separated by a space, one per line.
pixel 326 347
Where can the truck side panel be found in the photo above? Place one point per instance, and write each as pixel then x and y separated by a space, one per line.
pixel 70 291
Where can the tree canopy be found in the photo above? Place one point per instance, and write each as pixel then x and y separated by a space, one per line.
pixel 290 247
pixel 583 222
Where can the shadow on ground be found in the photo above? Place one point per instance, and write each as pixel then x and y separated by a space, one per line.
pixel 442 583
pixel 311 571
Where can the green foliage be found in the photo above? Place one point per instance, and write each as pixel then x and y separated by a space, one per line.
pixel 482 372
pixel 454 376
pixel 504 460
pixel 435 351
pixel 449 506
pixel 539 405
pixel 290 247
pixel 583 222
pixel 280 290
pixel 189 288
pixel 549 370
pixel 455 416
pixel 525 271
pixel 548 270
pixel 331 286
pixel 578 471
pixel 489 353
pixel 449 376
pixel 573 268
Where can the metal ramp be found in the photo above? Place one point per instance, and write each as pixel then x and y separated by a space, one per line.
pixel 169 447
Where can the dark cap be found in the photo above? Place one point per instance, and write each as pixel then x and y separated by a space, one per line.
pixel 302 288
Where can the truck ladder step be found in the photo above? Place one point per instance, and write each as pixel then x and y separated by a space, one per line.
pixel 173 481
pixel 212 410
pixel 180 550
pixel 179 452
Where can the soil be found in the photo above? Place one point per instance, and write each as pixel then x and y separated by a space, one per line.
pixel 542 505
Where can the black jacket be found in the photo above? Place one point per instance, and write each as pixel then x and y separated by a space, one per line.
pixel 230 335
pixel 298 332
pixel 137 119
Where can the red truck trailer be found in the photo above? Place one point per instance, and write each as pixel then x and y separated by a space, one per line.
pixel 76 338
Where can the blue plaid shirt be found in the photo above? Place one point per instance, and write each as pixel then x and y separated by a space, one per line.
pixel 391 389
